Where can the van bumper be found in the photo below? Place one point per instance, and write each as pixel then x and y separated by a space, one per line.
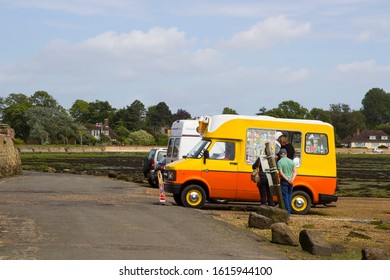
pixel 172 188
pixel 326 198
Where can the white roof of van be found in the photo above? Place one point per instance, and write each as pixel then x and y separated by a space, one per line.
pixel 217 120
pixel 184 128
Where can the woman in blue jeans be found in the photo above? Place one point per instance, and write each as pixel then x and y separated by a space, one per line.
pixel 287 173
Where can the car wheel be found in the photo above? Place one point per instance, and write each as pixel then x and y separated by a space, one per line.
pixel 151 182
pixel 301 202
pixel 193 196
pixel 177 198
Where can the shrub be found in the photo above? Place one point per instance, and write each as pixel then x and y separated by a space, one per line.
pixel 141 137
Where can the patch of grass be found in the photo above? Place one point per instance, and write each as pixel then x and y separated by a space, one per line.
pixel 376 222
pixel 383 226
pixel 308 226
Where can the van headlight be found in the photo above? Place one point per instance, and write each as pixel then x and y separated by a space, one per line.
pixel 170 175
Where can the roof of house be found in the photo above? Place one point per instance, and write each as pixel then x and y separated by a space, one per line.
pixel 92 126
pixel 364 136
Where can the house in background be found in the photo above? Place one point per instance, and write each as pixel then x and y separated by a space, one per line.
pixel 369 139
pixel 101 129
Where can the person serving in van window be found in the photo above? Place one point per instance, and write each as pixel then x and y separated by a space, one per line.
pixel 287 173
pixel 285 144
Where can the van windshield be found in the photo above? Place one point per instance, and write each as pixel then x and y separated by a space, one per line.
pixel 197 151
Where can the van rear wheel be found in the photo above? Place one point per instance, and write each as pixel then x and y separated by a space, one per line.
pixel 301 202
pixel 193 196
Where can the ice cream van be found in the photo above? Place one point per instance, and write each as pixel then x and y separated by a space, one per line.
pixel 219 166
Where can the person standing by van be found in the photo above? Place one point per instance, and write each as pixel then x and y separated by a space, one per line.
pixel 287 173
pixel 263 185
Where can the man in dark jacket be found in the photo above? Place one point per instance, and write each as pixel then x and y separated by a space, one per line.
pixel 263 186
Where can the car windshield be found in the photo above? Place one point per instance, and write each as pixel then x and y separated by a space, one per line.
pixel 197 151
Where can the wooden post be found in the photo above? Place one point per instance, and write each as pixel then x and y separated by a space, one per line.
pixel 273 171
pixel 161 187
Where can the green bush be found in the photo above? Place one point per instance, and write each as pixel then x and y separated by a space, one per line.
pixel 141 137
pixel 18 141
pixel 162 140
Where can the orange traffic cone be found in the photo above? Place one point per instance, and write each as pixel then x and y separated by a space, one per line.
pixel 162 197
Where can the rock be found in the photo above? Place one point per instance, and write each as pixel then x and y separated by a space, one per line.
pixel 259 221
pixel 338 248
pixel 374 254
pixel 314 242
pixel 10 163
pixel 51 170
pixel 282 234
pixel 112 174
pixel 276 214
pixel 358 235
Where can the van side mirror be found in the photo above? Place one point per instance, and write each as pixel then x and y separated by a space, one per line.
pixel 206 155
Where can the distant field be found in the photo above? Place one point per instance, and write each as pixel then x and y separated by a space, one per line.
pixel 360 175
pixel 363 175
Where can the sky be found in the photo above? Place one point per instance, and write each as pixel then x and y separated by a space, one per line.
pixel 196 55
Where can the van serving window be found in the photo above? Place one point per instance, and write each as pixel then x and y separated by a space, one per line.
pixel 255 143
pixel 316 143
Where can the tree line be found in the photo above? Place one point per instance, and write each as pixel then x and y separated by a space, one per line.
pixel 39 118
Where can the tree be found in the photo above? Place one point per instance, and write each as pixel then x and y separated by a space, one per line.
pixel 43 99
pixel 91 112
pixel 376 107
pixel 287 109
pixel 141 137
pixel 14 108
pixel 80 111
pixel 321 115
pixel 230 111
pixel 159 116
pixel 50 125
pixel 262 111
pixel 132 117
pixel 181 115
pixel 346 121
pixel 122 133
pixel 100 110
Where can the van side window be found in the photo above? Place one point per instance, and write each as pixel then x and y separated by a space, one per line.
pixel 222 150
pixel 176 147
pixel 316 143
pixel 170 146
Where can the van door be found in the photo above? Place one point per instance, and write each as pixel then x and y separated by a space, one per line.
pixel 220 170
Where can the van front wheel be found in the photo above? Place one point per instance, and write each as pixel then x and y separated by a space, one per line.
pixel 193 196
pixel 177 198
pixel 301 202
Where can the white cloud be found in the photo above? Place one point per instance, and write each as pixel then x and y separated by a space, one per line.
pixel 110 57
pixel 268 33
pixel 156 41
pixel 287 75
pixel 363 71
pixel 364 36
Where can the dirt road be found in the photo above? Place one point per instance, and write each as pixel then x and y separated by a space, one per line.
pixel 72 217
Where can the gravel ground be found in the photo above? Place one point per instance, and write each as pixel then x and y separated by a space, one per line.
pixel 368 219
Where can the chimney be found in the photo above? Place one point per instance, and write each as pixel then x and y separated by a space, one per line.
pixel 357 131
pixel 105 123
